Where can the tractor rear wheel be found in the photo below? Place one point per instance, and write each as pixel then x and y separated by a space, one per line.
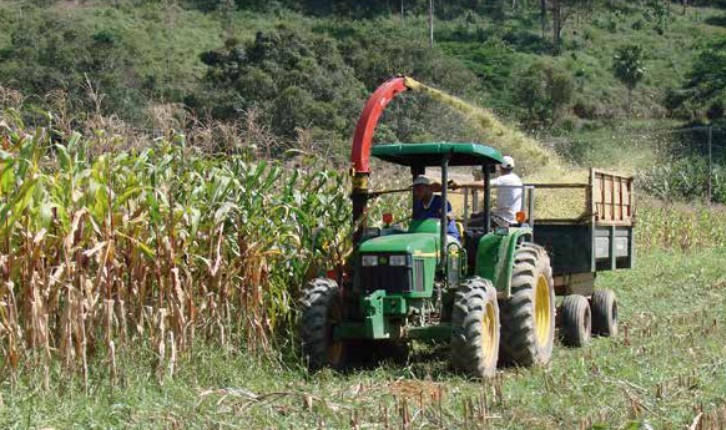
pixel 604 313
pixel 576 321
pixel 475 328
pixel 528 316
pixel 322 310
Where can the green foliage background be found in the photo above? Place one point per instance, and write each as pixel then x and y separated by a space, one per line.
pixel 298 71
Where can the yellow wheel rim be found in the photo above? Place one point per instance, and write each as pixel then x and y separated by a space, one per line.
pixel 489 333
pixel 542 311
pixel 335 347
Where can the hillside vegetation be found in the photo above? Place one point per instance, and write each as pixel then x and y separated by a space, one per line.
pixel 298 72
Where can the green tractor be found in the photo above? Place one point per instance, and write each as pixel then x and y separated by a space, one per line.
pixel 490 297
pixel 416 284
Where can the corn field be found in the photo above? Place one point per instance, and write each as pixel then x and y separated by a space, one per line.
pixel 679 226
pixel 168 247
pixel 164 246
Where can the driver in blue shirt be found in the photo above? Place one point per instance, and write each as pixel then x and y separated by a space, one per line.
pixel 427 205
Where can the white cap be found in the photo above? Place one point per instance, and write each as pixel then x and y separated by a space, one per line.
pixel 507 162
pixel 422 180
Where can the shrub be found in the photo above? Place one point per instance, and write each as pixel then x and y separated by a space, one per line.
pixel 684 178
pixel 544 90
pixel 298 79
pixel 584 110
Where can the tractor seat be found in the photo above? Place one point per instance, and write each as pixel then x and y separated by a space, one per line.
pixel 471 242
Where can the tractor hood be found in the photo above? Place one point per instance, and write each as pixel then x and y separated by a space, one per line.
pixel 416 244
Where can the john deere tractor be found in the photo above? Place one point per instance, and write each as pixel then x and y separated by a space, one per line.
pixel 416 284
pixel 491 297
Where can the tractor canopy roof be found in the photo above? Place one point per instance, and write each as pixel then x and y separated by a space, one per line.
pixel 432 154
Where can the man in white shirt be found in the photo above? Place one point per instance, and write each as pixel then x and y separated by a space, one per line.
pixel 509 192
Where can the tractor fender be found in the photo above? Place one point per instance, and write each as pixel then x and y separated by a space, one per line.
pixel 495 257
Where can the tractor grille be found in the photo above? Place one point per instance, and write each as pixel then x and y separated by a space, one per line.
pixel 392 279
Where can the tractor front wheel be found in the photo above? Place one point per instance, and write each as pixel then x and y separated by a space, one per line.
pixel 322 310
pixel 475 328
pixel 528 316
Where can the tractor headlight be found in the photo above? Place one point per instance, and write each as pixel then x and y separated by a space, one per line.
pixel 398 260
pixel 369 260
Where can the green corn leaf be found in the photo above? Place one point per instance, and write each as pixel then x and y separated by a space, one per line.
pixel 142 246
pixel 126 196
pixel 223 212
pixel 63 157
pixel 7 178
pixel 13 211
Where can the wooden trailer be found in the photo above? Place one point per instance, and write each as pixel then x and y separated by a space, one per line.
pixel 600 239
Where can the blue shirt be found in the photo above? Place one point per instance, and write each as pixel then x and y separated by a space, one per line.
pixel 434 211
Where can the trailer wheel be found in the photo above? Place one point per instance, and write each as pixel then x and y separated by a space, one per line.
pixel 528 316
pixel 604 313
pixel 576 321
pixel 322 309
pixel 475 328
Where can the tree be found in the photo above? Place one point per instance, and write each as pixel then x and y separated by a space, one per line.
pixel 296 79
pixel 705 91
pixel 659 12
pixel 227 9
pixel 562 10
pixel 557 23
pixel 46 54
pixel 628 68
pixel 708 76
pixel 431 23
pixel 544 91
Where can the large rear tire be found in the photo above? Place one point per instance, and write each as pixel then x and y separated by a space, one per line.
pixel 322 310
pixel 576 321
pixel 528 316
pixel 604 313
pixel 475 329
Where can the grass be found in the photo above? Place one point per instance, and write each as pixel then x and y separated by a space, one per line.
pixel 665 368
